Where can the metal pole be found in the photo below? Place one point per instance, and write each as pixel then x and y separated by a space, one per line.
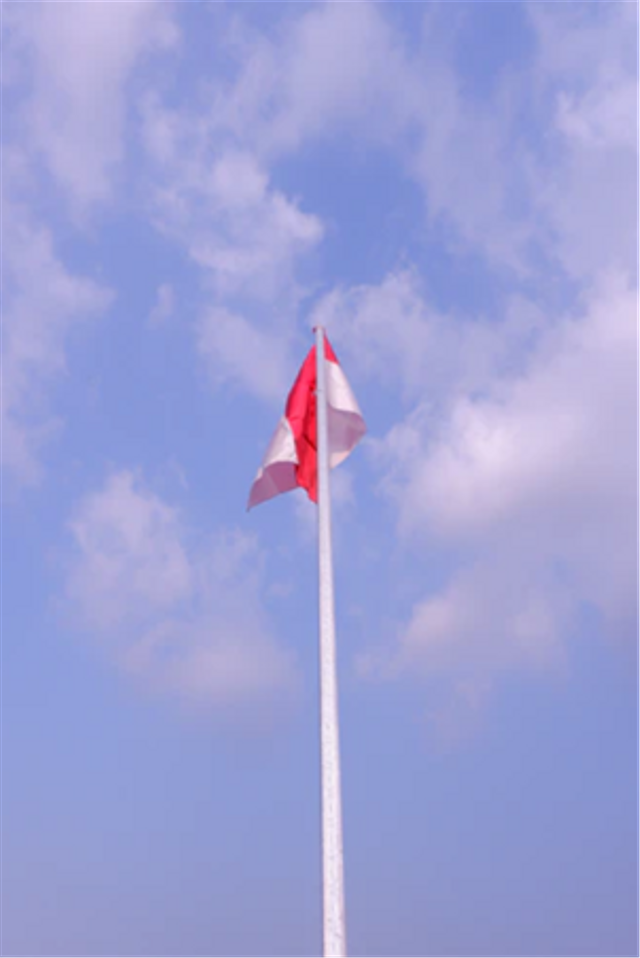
pixel 333 919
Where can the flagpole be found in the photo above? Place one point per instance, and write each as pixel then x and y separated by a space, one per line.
pixel 333 912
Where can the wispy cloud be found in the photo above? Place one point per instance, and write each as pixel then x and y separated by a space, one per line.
pixel 394 336
pixel 532 485
pixel 183 615
pixel 67 69
pixel 331 68
pixel 80 57
pixel 244 355
pixel 164 306
pixel 44 302
pixel 510 450
pixel 508 173
pixel 243 233
pixel 518 464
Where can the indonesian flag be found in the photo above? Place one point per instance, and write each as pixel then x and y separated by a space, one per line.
pixel 291 459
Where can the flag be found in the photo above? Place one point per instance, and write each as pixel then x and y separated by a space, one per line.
pixel 291 458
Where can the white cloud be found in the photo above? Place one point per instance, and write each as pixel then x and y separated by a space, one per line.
pixel 183 615
pixel 510 189
pixel 81 56
pixel 218 204
pixel 44 302
pixel 246 237
pixel 334 66
pixel 601 118
pixel 164 305
pixel 344 69
pixel 534 486
pixel 568 191
pixel 520 457
pixel 582 42
pixel 577 396
pixel 131 562
pixel 393 336
pixel 242 354
pixel 587 68
pixel 67 70
pixel 473 169
pixel 516 460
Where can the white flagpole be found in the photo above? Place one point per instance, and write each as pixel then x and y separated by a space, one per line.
pixel 333 919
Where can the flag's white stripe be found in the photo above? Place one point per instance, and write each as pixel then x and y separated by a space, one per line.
pixel 339 393
pixel 345 421
pixel 282 447
pixel 278 470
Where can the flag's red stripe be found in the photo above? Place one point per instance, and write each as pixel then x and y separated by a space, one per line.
pixel 301 411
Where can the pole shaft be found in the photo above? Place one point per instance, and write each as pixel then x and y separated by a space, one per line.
pixel 333 912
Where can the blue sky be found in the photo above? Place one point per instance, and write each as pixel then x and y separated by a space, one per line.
pixel 451 188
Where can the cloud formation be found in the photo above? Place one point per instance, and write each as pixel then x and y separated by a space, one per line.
pixel 243 233
pixel 246 238
pixel 511 450
pixel 516 459
pixel 182 615
pixel 44 301
pixel 534 483
pixel 394 336
pixel 65 81
pixel 80 58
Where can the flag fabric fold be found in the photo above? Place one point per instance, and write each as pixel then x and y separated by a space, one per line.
pixel 291 457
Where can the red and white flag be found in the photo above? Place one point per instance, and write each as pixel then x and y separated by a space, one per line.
pixel 291 459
